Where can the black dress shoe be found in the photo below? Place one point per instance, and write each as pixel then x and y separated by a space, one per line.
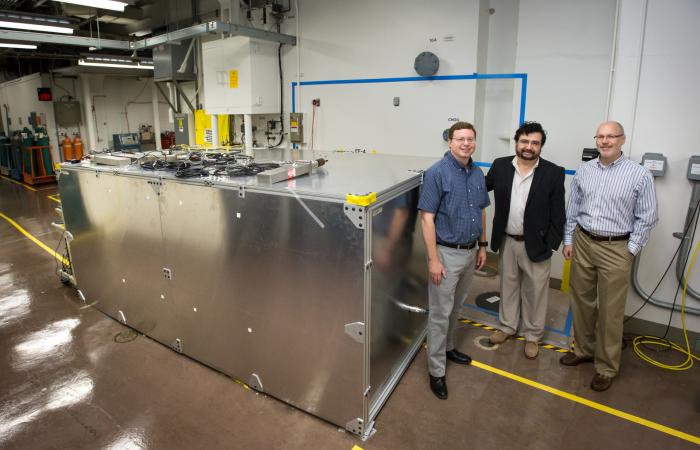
pixel 458 357
pixel 439 387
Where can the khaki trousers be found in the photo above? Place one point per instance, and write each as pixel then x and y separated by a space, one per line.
pixel 600 273
pixel 524 291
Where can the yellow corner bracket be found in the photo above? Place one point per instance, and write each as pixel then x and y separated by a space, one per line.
pixel 361 200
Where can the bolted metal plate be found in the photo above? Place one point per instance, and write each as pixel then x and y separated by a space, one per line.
pixel 356 330
pixel 256 383
pixel 356 214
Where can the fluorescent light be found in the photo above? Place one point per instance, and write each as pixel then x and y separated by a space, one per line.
pixel 120 64
pixel 35 27
pixel 102 4
pixel 9 45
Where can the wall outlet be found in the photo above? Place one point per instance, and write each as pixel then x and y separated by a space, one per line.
pixel 316 102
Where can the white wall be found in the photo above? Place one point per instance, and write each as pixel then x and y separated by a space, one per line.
pixel 116 99
pixel 20 95
pixel 122 104
pixel 565 47
pixel 370 39
pixel 662 118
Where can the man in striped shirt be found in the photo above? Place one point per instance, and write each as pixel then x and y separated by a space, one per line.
pixel 611 212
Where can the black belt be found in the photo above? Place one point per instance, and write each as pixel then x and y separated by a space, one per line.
pixel 517 237
pixel 595 237
pixel 467 246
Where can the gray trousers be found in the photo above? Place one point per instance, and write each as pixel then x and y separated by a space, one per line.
pixel 445 302
pixel 524 291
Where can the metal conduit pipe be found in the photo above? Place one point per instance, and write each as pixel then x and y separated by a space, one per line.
pixel 691 221
pixel 655 301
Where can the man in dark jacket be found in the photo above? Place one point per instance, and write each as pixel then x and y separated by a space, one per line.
pixel 528 224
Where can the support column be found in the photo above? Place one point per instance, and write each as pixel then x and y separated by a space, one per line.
pixel 214 130
pixel 156 115
pixel 248 130
pixel 91 138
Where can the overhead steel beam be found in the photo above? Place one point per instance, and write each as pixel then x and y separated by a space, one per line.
pixel 173 36
pixel 255 33
pixel 48 38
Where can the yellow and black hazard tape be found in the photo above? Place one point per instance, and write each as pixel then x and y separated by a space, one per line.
pixel 519 338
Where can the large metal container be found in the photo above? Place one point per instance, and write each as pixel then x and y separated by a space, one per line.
pixel 293 287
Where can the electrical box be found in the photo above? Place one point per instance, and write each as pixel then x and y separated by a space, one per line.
pixel 241 76
pixel 655 162
pixel 126 142
pixel 296 128
pixel 182 132
pixel 67 113
pixel 694 168
pixel 174 61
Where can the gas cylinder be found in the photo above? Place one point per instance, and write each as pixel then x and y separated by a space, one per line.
pixel 67 147
pixel 77 147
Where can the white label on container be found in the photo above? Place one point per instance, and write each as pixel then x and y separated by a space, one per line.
pixel 695 169
pixel 654 164
pixel 493 299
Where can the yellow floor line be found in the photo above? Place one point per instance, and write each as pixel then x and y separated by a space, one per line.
pixel 590 404
pixel 46 248
pixel 54 198
pixel 18 183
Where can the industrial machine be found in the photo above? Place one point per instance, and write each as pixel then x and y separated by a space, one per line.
pixel 126 142
pixel 295 287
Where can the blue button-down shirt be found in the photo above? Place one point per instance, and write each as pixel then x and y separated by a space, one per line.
pixel 456 195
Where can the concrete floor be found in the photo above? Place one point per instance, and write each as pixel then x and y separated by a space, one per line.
pixel 67 383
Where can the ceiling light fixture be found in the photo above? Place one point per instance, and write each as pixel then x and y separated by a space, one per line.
pixel 102 4
pixel 116 62
pixel 11 45
pixel 35 22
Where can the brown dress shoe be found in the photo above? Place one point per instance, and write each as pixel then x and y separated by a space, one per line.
pixel 531 350
pixel 499 337
pixel 601 383
pixel 570 359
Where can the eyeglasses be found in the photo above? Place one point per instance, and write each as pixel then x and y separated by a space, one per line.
pixel 463 140
pixel 607 137
pixel 527 141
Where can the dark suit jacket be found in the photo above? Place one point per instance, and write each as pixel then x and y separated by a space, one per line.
pixel 545 213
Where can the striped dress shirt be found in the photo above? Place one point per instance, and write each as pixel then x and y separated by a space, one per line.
pixel 613 200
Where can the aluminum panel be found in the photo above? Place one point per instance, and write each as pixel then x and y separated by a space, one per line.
pixel 399 294
pixel 117 247
pixel 270 285
pixel 264 305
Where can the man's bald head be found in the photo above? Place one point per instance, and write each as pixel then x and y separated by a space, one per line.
pixel 609 140
pixel 618 125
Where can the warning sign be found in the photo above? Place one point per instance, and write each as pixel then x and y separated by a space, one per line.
pixel 233 79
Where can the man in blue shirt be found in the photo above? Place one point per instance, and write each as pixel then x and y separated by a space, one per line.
pixel 452 202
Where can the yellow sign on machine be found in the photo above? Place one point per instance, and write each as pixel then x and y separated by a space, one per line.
pixel 233 79
pixel 203 129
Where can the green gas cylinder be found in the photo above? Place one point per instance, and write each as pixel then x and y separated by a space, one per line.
pixel 27 137
pixel 40 136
